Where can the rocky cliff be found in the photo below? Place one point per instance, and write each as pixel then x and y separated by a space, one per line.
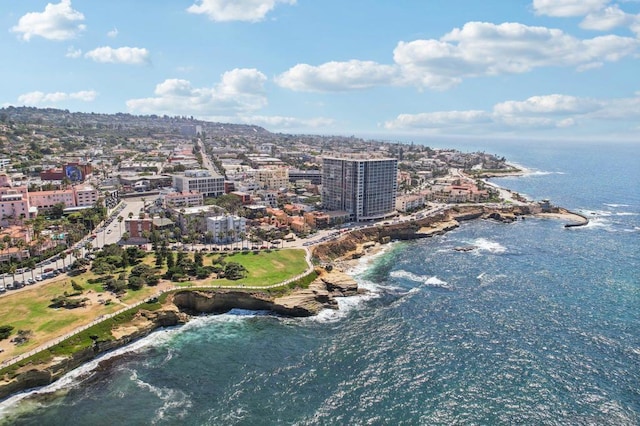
pixel 300 303
pixel 350 244
pixel 31 376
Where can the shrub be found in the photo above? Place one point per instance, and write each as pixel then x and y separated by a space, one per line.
pixel 5 331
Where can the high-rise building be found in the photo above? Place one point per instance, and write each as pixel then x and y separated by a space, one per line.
pixel 365 188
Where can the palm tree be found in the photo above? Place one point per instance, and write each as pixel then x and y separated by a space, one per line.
pixel 63 255
pixel 31 264
pixel 208 237
pixel 120 219
pixel 242 236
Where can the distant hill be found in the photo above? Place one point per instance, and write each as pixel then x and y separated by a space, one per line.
pixel 126 124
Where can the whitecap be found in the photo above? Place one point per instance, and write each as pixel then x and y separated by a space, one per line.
pixel 171 399
pixel 77 376
pixel 438 283
pixel 430 281
pixel 483 244
pixel 616 205
pixel 401 273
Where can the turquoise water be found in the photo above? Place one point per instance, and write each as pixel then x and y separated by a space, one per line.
pixel 538 325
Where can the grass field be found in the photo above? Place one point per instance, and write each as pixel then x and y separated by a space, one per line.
pixel 28 309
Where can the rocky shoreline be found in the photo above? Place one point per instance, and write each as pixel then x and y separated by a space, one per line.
pixel 180 305
pixel 319 295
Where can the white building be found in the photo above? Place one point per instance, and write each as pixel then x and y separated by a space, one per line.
pixel 409 202
pixel 273 178
pixel 226 228
pixel 201 181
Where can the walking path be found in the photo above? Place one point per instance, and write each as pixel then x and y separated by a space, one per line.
pixel 164 290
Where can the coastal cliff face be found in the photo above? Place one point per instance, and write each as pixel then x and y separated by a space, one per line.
pixel 353 243
pixel 320 295
pixel 31 376
pixel 300 303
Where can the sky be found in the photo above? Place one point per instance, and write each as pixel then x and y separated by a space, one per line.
pixel 536 69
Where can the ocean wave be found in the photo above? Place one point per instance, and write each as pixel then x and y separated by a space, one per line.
pixel 484 244
pixel 75 377
pixel 429 281
pixel 615 206
pixel 172 399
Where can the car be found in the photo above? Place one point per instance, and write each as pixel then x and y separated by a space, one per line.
pixel 31 281
pixel 38 277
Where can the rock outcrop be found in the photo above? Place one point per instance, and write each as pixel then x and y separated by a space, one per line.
pixel 300 303
pixel 350 244
pixel 31 376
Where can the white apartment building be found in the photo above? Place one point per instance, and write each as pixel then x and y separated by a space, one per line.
pixel 273 178
pixel 201 181
pixel 365 188
pixel 183 199
pixel 226 228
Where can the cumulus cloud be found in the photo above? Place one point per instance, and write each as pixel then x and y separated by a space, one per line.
pixel 536 112
pixel 236 10
pixel 549 104
pixel 57 22
pixel 566 8
pixel 281 122
pixel 113 33
pixel 73 53
pixel 439 119
pixel 239 91
pixel 337 76
pixel 121 55
pixel 477 49
pixel 38 98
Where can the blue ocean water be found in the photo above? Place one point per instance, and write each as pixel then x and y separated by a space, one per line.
pixel 538 325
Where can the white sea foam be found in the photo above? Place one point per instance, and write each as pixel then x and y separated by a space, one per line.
pixel 615 206
pixel 171 399
pixel 76 376
pixel 429 281
pixel 401 273
pixel 483 244
pixel 436 282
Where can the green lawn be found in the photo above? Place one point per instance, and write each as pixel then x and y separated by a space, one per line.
pixel 29 309
pixel 267 268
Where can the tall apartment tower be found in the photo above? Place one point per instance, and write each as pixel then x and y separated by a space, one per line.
pixel 365 188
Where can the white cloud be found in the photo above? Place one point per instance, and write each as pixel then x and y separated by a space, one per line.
pixel 38 98
pixel 57 22
pixel 548 104
pixel 239 91
pixel 610 18
pixel 566 8
pixel 481 48
pixel 337 76
pixel 554 111
pixel 121 55
pixel 477 49
pixel 113 33
pixel 439 119
pixel 73 53
pixel 280 122
pixel 236 10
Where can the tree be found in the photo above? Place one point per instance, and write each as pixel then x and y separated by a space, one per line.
pixel 120 219
pixel 234 271
pixel 63 255
pixel 5 331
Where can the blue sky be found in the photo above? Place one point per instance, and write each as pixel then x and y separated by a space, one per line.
pixel 541 69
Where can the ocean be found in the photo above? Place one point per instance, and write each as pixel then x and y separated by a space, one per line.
pixel 537 325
